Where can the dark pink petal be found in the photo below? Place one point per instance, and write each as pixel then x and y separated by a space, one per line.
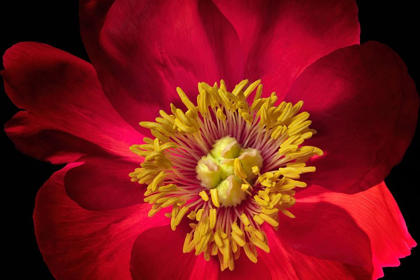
pixel 377 214
pixel 143 50
pixel 102 183
pixel 157 254
pixel 287 263
pixel 326 231
pixel 40 140
pixel 281 38
pixel 364 106
pixel 68 114
pixel 81 244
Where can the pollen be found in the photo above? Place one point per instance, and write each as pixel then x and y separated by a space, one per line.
pixel 229 164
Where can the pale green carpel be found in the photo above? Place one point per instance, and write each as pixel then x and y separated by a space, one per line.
pixel 217 170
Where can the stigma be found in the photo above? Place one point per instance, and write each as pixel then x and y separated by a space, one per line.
pixel 228 165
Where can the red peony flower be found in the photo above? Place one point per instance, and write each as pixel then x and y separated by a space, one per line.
pixel 227 181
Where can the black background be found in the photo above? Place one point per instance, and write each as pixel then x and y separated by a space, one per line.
pixel 56 23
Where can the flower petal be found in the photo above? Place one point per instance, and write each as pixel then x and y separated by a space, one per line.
pixel 281 38
pixel 287 263
pixel 81 244
pixel 39 139
pixel 157 254
pixel 326 231
pixel 143 50
pixel 364 106
pixel 67 113
pixel 102 183
pixel 377 214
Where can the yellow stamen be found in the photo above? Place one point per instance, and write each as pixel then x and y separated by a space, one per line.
pixel 239 240
pixel 226 251
pixel 245 220
pixel 186 100
pixel 239 171
pixel 245 187
pixel 258 220
pixel 250 254
pixel 214 197
pixel 257 242
pixel 213 214
pixel 204 195
pixel 199 214
pixel 218 239
pixel 237 230
pixel 158 179
pixel 192 215
pixel 181 214
pixel 187 242
pixel 251 88
pixel 269 220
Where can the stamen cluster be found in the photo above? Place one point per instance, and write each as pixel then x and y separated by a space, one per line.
pixel 183 140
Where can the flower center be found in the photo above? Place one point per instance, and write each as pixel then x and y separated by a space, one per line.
pixel 228 169
pixel 227 165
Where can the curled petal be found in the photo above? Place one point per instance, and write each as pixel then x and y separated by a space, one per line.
pixel 326 231
pixel 364 106
pixel 97 243
pixel 377 214
pixel 285 262
pixel 67 114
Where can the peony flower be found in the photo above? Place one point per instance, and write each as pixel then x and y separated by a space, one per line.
pixel 231 180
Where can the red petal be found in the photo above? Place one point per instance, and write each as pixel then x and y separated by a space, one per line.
pixel 377 214
pixel 287 263
pixel 102 183
pixel 157 254
pixel 324 230
pixel 143 51
pixel 81 244
pixel 281 38
pixel 67 113
pixel 364 106
pixel 40 140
